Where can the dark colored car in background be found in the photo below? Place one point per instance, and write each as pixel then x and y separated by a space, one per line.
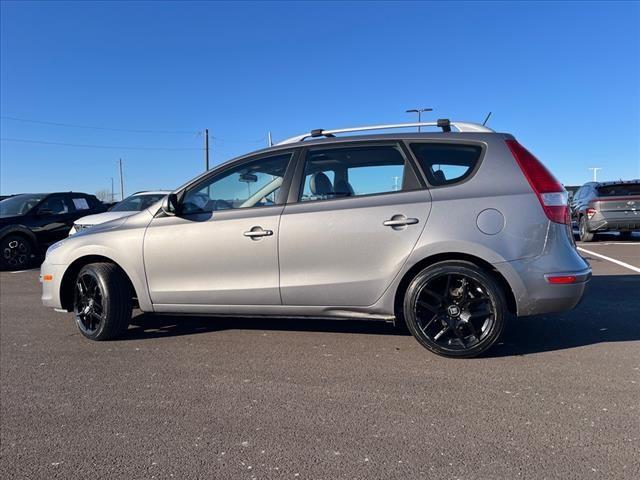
pixel 30 222
pixel 607 207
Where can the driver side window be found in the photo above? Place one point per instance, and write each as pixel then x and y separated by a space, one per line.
pixel 252 184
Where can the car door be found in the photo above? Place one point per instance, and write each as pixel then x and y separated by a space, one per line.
pixel 221 247
pixel 53 219
pixel 354 215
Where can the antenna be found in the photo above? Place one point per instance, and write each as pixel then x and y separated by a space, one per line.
pixel 486 118
pixel 270 140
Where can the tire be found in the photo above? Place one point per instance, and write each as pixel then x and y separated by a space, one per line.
pixel 455 309
pixel 15 252
pixel 102 301
pixel 585 235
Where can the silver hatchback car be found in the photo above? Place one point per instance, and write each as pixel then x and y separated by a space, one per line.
pixel 450 232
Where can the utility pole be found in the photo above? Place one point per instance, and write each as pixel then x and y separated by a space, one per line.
pixel 595 172
pixel 206 149
pixel 419 111
pixel 113 195
pixel 270 140
pixel 121 181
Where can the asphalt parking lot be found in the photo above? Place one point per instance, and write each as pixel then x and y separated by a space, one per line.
pixel 198 397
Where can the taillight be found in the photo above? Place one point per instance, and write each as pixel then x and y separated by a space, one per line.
pixel 591 212
pixel 561 279
pixel 552 195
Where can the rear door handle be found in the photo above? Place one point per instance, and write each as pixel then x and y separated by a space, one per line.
pixel 400 221
pixel 257 232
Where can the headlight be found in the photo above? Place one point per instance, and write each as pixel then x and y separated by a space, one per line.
pixel 80 227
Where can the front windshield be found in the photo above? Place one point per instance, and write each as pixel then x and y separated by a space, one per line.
pixel 137 203
pixel 19 205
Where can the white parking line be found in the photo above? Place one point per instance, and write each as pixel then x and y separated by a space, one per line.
pixel 613 260
pixel 616 243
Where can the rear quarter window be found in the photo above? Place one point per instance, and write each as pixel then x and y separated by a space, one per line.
pixel 80 203
pixel 446 163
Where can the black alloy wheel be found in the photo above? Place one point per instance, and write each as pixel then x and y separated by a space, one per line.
pixel 16 252
pixel 455 309
pixel 88 304
pixel 102 301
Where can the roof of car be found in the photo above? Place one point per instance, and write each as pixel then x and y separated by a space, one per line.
pixel 151 192
pixel 633 181
pixel 380 137
pixel 54 193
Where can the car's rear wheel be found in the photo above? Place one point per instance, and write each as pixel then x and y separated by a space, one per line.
pixel 16 252
pixel 585 234
pixel 455 309
pixel 102 301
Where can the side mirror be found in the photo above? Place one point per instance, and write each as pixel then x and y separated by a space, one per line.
pixel 170 204
pixel 45 212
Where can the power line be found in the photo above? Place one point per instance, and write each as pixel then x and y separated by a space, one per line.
pixel 112 129
pixel 71 125
pixel 225 140
pixel 43 142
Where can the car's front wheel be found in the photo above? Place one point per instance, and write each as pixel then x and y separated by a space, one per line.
pixel 102 301
pixel 15 252
pixel 455 309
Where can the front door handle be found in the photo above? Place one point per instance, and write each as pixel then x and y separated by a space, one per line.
pixel 257 232
pixel 399 221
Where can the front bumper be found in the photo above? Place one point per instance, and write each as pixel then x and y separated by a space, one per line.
pixel 51 280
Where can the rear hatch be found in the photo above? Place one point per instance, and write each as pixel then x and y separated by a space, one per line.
pixel 618 200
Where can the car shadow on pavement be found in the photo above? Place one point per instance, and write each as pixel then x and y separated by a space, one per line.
pixel 148 325
pixel 608 313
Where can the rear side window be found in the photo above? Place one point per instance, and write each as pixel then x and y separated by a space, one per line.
pixel 56 204
pixel 446 163
pixel 356 171
pixel 619 190
pixel 80 203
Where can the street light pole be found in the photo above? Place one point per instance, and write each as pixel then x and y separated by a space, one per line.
pixel 206 149
pixel 419 112
pixel 595 172
pixel 121 181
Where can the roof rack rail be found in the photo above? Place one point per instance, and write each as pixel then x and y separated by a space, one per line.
pixel 444 123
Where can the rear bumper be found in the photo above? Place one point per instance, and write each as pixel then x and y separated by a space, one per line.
pixel 536 296
pixel 614 222
pixel 529 278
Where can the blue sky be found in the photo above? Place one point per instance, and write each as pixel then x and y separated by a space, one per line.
pixel 562 77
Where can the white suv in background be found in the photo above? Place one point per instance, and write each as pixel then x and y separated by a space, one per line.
pixel 130 205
